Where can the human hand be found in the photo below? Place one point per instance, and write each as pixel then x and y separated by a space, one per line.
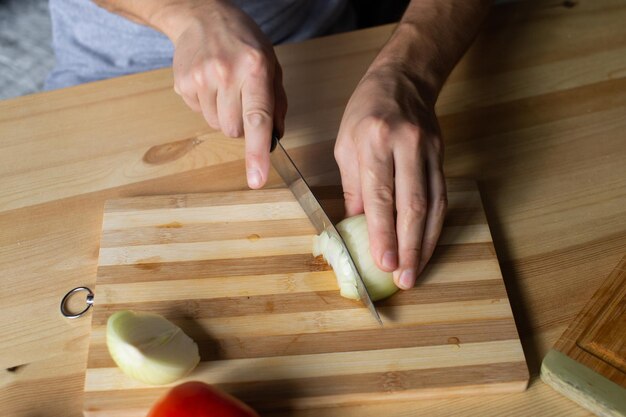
pixel 390 154
pixel 226 68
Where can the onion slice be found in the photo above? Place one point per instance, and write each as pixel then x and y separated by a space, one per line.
pixel 149 348
pixel 353 230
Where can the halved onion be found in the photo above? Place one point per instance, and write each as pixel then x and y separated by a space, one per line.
pixel 353 230
pixel 149 348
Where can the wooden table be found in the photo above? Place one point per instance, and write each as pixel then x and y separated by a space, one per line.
pixel 535 112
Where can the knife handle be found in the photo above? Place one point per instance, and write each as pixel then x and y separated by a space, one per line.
pixel 275 140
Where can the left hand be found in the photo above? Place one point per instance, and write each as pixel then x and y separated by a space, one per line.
pixel 390 154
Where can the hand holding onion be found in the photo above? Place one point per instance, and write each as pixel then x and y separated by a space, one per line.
pixel 390 155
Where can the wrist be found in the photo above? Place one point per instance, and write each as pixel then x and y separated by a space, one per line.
pixel 404 57
pixel 412 53
pixel 173 18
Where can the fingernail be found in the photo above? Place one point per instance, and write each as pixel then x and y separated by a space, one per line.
pixel 389 260
pixel 407 279
pixel 254 178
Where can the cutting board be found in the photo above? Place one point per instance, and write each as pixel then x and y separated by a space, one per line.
pixel 235 271
pixel 588 363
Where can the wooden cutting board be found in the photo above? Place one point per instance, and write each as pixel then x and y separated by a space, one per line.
pixel 588 363
pixel 235 271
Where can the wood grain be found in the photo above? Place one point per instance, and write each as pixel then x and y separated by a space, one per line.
pixel 269 328
pixel 532 112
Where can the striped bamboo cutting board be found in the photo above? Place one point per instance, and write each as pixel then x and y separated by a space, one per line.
pixel 235 271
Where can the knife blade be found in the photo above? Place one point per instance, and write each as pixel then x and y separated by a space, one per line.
pixel 286 168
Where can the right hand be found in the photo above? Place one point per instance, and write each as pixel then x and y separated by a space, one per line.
pixel 226 68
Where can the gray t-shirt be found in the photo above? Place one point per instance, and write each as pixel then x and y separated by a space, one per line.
pixel 91 43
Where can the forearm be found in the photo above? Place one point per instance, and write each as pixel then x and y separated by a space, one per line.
pixel 431 38
pixel 170 17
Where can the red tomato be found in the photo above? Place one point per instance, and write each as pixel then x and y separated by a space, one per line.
pixel 197 399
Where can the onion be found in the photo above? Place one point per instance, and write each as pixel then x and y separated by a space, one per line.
pixel 353 230
pixel 149 348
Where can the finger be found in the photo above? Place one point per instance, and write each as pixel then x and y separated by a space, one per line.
pixel 376 172
pixel 411 204
pixel 185 88
pixel 207 100
pixel 229 111
pixel 192 102
pixel 350 179
pixel 280 102
pixel 258 111
pixel 437 206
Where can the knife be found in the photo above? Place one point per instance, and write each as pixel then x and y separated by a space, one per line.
pixel 293 178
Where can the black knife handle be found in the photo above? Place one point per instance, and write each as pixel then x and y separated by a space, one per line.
pixel 275 140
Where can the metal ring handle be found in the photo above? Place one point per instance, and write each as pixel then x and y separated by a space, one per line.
pixel 89 301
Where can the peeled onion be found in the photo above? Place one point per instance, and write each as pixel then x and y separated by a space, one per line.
pixel 353 230
pixel 149 348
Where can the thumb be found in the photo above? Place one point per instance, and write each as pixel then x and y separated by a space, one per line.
pixel 350 179
pixel 352 195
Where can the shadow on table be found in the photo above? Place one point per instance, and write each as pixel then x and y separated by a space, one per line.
pixel 483 139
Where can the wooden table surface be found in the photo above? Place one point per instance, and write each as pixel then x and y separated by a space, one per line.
pixel 535 112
